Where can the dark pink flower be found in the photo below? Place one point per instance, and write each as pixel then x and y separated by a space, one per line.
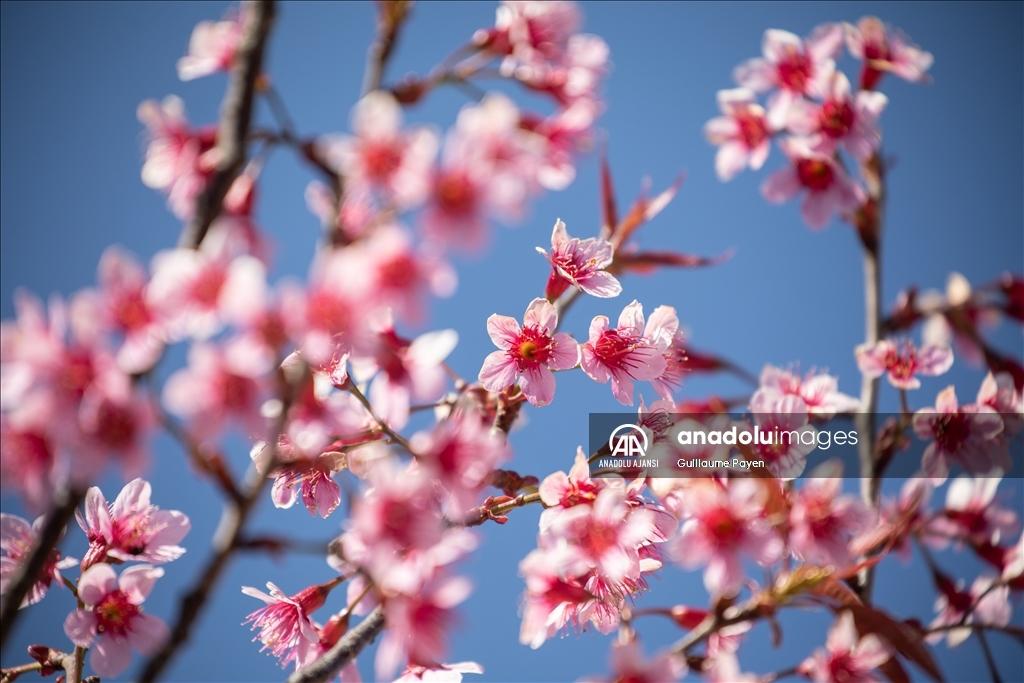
pixel 847 657
pixel 962 434
pixel 823 520
pixel 28 458
pixel 901 363
pixel 212 46
pixel 630 666
pixel 999 393
pixel 579 263
pixel 285 620
pixel 885 49
pixel 973 514
pixel 17 538
pixel 785 435
pixel 818 390
pixel 842 119
pixel 114 619
pixel 983 605
pixel 829 189
pixel 622 354
pixel 529 353
pixel 743 135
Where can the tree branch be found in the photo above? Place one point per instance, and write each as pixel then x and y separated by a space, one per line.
pixel 235 118
pixel 343 652
pixel 391 15
pixel 22 582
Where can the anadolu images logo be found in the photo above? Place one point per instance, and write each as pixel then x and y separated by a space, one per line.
pixel 629 444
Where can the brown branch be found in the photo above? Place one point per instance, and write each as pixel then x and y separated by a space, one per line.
pixel 28 572
pixel 48 661
pixel 235 118
pixel 343 652
pixel 391 15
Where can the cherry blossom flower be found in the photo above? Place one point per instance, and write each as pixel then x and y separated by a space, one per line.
pixel 579 263
pixel 285 621
pixel 566 133
pixel 17 538
pixel 622 354
pixel 461 452
pixel 725 668
pixel 829 189
pixel 219 383
pixel 555 596
pixel 973 514
pixel 884 49
pixel 561 490
pixel 963 434
pixel 212 46
pixel 982 605
pixel 418 624
pixel 823 520
pixel 114 420
pixel 784 423
pixel 305 653
pixel 819 391
pixel 841 119
pixel 120 306
pixel 575 77
pixel 999 393
pixel 114 618
pixel 528 354
pixel 531 31
pixel 719 523
pixel 847 657
pixel 796 67
pixel 742 133
pixel 902 363
pixel 28 458
pixel 381 157
pixel 132 529
pixel 201 289
pixel 439 673
pixel 179 159
pixel 629 664
pixel 310 477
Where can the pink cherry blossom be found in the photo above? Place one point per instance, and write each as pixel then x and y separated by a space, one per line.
pixel 461 452
pixel 742 133
pixel 132 529
pixel 28 458
pixel 439 673
pixel 579 263
pixel 529 353
pixel 17 538
pixel 285 621
pixel 418 625
pixel 555 596
pixel 725 668
pixel 721 522
pixel 305 653
pixel 962 434
pixel 561 490
pixel 796 67
pixel 629 664
pixel 819 390
pixel 842 118
pixel 567 133
pixel 823 520
pixel 221 382
pixel 310 477
pixel 885 49
pixel 179 159
pixel 212 46
pixel 983 604
pixel 574 77
pixel 120 306
pixel 199 290
pixel 999 393
pixel 114 420
pixel 784 423
pixel 829 189
pixel 973 514
pixel 622 354
pixel 902 363
pixel 114 618
pixel 381 157
pixel 532 31
pixel 847 657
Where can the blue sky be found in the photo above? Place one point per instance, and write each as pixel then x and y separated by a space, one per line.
pixel 73 75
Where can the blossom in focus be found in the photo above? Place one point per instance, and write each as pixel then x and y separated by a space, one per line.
pixel 829 189
pixel 629 664
pixel 847 657
pixel 796 67
pixel 720 524
pixel 819 391
pixel 843 118
pixel 132 529
pixel 622 354
pixel 962 434
pixel 528 354
pixel 439 673
pixel 902 363
pixel 285 621
pixel 114 618
pixel 823 520
pixel 299 474
pixel 884 49
pixel 212 46
pixel 580 263
pixel 17 538
pixel 742 133
pixel 382 157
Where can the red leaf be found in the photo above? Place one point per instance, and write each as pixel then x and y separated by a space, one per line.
pixel 904 637
pixel 648 261
pixel 609 212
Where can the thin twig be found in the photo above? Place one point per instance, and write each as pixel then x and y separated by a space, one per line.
pixel 391 15
pixel 29 570
pixel 989 659
pixel 395 436
pixel 235 119
pixel 343 652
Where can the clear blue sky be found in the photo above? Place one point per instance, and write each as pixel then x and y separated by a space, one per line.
pixel 73 75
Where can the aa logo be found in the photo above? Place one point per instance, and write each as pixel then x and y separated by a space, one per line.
pixel 628 441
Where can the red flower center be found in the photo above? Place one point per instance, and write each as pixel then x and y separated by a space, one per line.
pixel 456 193
pixel 836 118
pixel 951 431
pixel 725 528
pixel 115 425
pixel 753 129
pixel 532 348
pixel 614 349
pixel 381 159
pixel 901 365
pixel 131 312
pixel 400 273
pixel 328 312
pixel 206 288
pixel 794 71
pixel 815 174
pixel 76 373
pixel 114 613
